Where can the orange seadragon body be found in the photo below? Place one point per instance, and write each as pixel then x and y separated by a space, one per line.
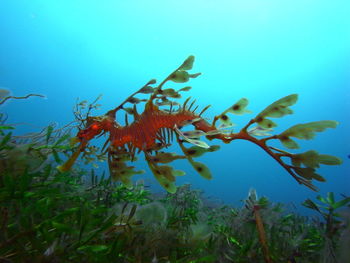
pixel 145 130
pixel 153 130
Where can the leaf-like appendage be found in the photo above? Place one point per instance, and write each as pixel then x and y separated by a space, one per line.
pixel 168 185
pixel 187 88
pixel 289 143
pixel 152 81
pixel 195 75
pixel 308 173
pixel 276 110
pixel 304 131
pixel 165 175
pixel 162 157
pixel 194 134
pixel 213 148
pixel 135 100
pixel 266 123
pixel 279 108
pixel 187 64
pixel 309 159
pixel 118 168
pixel 198 143
pixel 124 174
pixel 259 131
pixel 202 169
pixel 239 108
pixel 329 159
pixel 196 151
pixel 146 90
pixel 170 93
pixel 307 131
pixel 312 159
pixel 215 132
pixel 179 76
pixel 166 171
pixel 192 141
pixel 165 102
pixel 224 119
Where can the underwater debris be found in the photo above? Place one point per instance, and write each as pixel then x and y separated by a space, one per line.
pixel 155 127
pixel 4 96
pixel 4 93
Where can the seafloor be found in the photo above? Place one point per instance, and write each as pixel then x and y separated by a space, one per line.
pixel 80 216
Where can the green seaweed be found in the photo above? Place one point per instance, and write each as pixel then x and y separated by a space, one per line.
pixel 83 216
pixel 79 216
pixel 333 226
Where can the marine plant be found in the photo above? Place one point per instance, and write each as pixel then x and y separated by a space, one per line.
pixel 185 206
pixel 288 237
pixel 252 204
pixel 80 216
pixel 333 225
pixel 153 130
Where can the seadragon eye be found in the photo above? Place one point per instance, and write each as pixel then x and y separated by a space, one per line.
pixel 95 126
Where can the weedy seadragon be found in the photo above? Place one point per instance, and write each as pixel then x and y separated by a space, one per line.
pixel 162 122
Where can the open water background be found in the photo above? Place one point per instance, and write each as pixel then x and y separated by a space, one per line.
pixel 261 50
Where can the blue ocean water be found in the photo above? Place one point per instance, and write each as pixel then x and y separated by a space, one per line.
pixel 261 50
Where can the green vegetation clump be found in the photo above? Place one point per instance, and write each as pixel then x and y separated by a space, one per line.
pixel 78 216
